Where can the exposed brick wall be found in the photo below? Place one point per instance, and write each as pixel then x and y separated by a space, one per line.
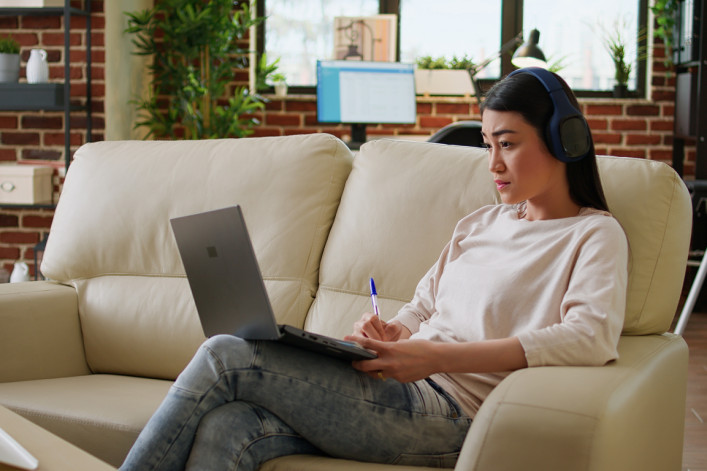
pixel 626 127
pixel 37 137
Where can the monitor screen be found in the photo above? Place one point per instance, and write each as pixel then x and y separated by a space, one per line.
pixel 360 92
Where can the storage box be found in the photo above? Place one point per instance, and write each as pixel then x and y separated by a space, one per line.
pixel 31 3
pixel 25 184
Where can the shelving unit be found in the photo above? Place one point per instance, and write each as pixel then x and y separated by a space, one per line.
pixel 53 96
pixel 690 58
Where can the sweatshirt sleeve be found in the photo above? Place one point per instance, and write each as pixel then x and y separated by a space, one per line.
pixel 592 308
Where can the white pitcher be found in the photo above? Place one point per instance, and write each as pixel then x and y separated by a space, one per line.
pixel 37 67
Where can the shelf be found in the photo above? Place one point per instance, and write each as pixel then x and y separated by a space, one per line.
pixel 40 11
pixel 31 96
pixel 27 206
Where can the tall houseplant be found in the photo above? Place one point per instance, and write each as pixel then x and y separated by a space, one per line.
pixel 195 50
pixel 9 60
pixel 665 12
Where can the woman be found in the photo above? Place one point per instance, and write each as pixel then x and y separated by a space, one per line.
pixel 538 280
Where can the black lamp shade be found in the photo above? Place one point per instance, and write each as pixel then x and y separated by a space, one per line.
pixel 529 54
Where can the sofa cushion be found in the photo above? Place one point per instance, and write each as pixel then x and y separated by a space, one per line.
pixel 111 237
pixel 103 414
pixel 399 208
pixel 649 200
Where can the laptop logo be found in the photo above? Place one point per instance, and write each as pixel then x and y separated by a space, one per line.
pixel 211 251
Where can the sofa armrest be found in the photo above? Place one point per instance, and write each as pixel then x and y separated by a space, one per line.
pixel 627 415
pixel 40 332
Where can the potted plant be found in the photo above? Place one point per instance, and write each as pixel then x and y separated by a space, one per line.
pixel 616 45
pixel 442 76
pixel 279 83
pixel 195 51
pixel 9 60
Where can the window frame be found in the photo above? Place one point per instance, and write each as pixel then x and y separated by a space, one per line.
pixel 511 23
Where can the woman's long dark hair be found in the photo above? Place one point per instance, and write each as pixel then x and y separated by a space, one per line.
pixel 523 93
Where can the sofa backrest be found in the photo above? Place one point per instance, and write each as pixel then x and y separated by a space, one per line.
pixel 399 208
pixel 112 240
pixel 403 199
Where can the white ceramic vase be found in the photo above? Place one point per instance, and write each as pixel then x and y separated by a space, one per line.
pixel 37 67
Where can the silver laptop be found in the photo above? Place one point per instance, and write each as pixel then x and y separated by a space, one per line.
pixel 228 288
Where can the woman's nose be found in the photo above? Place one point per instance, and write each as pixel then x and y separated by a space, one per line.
pixel 495 162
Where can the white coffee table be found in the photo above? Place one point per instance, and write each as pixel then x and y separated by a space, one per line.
pixel 52 452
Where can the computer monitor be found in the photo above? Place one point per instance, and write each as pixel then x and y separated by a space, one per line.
pixel 362 92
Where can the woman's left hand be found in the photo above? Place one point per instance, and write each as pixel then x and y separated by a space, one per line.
pixel 404 361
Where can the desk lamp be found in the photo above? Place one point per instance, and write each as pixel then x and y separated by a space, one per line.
pixel 527 55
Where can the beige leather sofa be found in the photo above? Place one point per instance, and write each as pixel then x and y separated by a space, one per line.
pixel 91 355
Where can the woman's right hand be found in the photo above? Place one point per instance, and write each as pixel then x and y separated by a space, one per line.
pixel 371 326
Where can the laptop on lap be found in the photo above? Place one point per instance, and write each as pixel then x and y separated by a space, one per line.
pixel 228 288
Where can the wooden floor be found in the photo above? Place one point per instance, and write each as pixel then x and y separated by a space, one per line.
pixel 695 451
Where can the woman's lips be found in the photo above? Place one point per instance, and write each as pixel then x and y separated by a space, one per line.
pixel 500 184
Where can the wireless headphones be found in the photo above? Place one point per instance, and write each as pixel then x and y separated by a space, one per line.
pixel 568 135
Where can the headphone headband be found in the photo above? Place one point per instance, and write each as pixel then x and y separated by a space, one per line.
pixel 568 135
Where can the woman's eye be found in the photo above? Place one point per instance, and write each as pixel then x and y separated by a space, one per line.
pixel 505 144
pixel 486 145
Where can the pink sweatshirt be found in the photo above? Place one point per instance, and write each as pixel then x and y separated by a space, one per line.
pixel 558 285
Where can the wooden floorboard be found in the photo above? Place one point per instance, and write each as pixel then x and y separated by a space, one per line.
pixel 695 450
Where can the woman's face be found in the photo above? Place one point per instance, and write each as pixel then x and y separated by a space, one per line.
pixel 523 168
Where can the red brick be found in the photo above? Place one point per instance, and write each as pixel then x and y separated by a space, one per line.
pixel 79 22
pixel 596 124
pixel 9 22
pixel 7 220
pixel 283 119
pixel 8 155
pixel 25 40
pixel 42 222
pixel 629 124
pixel 606 138
pixel 98 56
pixel 8 122
pixel 664 155
pixel 41 22
pixel 643 139
pixel 639 153
pixel 594 110
pixel 643 110
pixel 661 125
pixel 663 95
pixel 424 108
pixel 274 105
pixel 453 108
pixel 434 122
pixel 261 131
pixel 9 253
pixel 57 139
pixel 301 106
pixel 19 138
pixel 16 237
pixel 98 39
pixel 98 72
pixel 42 122
pixel 57 39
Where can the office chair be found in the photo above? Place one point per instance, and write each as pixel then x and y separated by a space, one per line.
pixel 460 133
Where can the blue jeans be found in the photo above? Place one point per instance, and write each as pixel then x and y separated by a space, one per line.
pixel 239 403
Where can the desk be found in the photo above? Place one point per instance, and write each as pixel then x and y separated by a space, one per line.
pixel 52 452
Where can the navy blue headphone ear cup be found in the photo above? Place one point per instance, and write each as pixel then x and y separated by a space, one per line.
pixel 568 136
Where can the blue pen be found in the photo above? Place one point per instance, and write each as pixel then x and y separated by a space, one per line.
pixel 374 298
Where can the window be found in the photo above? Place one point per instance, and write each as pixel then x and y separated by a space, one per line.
pixel 572 34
